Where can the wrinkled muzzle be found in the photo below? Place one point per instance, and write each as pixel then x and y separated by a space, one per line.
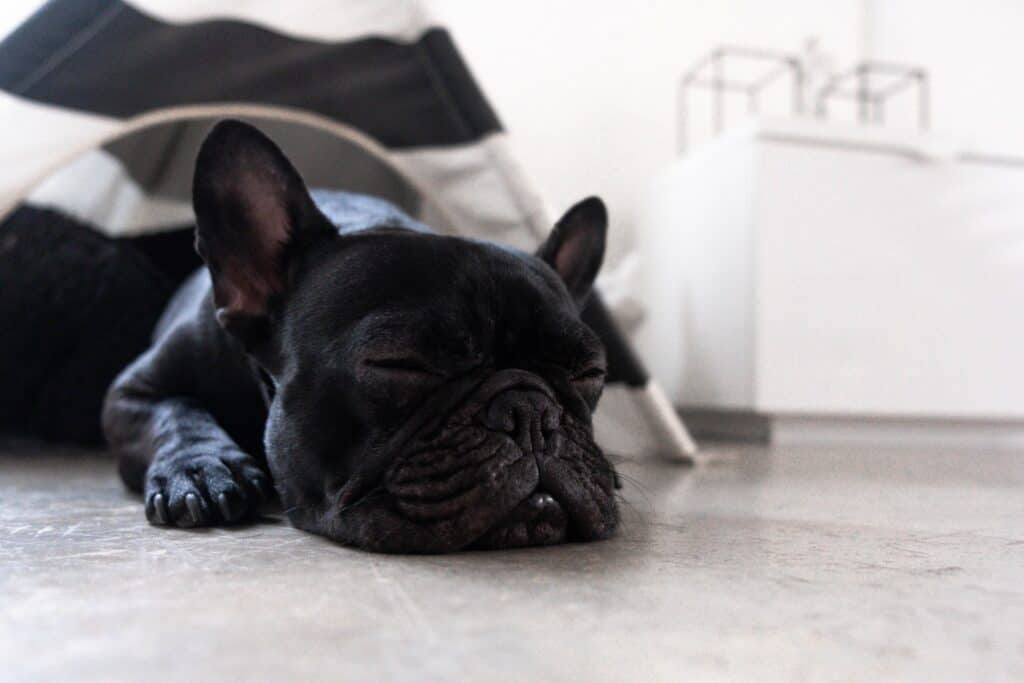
pixel 507 467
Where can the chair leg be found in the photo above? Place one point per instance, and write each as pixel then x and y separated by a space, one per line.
pixel 664 420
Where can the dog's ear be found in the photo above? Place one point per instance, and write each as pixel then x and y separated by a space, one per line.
pixel 575 248
pixel 253 213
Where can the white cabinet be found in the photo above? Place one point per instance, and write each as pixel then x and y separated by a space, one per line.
pixel 805 268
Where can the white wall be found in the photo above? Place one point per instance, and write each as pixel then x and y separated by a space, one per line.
pixel 974 53
pixel 587 87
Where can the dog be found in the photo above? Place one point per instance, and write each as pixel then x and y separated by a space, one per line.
pixel 399 390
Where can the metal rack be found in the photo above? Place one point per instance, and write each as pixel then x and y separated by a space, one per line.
pixel 710 73
pixel 870 95
pixel 871 98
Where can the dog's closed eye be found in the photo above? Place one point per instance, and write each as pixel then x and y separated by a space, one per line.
pixel 401 365
pixel 590 374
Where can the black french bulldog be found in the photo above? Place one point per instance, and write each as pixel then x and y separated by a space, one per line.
pixel 402 391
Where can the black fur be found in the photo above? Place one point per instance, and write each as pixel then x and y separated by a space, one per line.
pixel 76 308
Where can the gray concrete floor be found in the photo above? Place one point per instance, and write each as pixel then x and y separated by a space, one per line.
pixel 803 564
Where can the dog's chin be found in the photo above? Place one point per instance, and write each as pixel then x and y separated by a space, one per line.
pixel 476 488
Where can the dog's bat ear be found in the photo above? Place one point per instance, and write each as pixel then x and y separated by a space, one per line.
pixel 575 248
pixel 253 213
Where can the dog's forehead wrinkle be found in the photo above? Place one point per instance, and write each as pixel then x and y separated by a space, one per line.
pixel 426 279
pixel 455 300
pixel 401 327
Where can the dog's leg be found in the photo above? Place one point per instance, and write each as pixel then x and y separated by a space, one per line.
pixel 171 447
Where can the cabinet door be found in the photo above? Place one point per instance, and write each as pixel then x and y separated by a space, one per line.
pixel 888 285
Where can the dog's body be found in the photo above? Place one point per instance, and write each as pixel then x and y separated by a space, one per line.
pixel 401 390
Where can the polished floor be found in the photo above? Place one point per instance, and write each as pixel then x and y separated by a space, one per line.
pixel 764 564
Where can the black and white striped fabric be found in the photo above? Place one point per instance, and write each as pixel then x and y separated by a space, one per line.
pixel 105 103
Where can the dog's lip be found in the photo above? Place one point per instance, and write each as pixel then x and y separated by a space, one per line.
pixel 538 520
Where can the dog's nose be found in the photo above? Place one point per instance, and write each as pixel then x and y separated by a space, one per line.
pixel 529 416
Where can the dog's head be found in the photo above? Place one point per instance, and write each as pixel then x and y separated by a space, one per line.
pixel 428 393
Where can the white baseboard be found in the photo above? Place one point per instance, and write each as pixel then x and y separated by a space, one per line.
pixel 893 432
pixel 790 430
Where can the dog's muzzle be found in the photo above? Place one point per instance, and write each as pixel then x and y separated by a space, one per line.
pixel 505 467
pixel 509 441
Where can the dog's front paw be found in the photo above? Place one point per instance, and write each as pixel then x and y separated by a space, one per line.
pixel 204 490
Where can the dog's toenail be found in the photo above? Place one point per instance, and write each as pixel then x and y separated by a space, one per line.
pixel 224 505
pixel 192 503
pixel 160 508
